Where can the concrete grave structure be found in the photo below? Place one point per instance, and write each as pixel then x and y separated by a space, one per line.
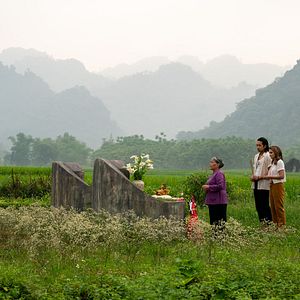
pixel 111 190
pixel 68 186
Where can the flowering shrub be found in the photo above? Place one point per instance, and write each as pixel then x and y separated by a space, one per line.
pixel 38 228
pixel 141 164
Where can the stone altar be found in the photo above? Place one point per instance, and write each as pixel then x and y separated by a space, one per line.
pixel 111 190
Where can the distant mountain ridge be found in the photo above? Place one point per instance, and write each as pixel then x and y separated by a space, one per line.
pixel 273 112
pixel 223 71
pixel 149 64
pixel 28 105
pixel 172 97
pixel 60 74
pixel 142 103
pixel 229 71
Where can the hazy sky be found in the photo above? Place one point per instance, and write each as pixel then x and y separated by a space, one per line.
pixel 104 33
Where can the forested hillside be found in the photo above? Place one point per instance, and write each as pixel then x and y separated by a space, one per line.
pixel 29 105
pixel 148 100
pixel 171 99
pixel 274 112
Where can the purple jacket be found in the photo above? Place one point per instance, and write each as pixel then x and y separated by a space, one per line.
pixel 216 193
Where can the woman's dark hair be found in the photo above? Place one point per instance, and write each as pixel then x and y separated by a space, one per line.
pixel 278 154
pixel 265 143
pixel 218 161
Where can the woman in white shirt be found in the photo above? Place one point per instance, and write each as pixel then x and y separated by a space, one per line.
pixel 277 177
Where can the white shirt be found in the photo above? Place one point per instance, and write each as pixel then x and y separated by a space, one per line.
pixel 274 171
pixel 260 168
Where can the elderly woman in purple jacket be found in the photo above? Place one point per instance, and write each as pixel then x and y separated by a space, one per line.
pixel 216 196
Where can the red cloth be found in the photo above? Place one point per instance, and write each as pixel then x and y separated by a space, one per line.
pixel 193 216
pixel 193 208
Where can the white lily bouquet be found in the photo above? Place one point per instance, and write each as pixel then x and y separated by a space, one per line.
pixel 141 164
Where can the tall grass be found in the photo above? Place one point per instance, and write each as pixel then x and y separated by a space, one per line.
pixel 57 254
pixel 48 253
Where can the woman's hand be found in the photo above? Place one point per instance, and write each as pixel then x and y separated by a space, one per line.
pixel 254 178
pixel 205 187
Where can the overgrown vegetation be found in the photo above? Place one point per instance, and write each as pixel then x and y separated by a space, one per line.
pixel 25 183
pixel 100 256
pixel 49 253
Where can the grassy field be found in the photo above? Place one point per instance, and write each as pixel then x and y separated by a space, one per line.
pixel 47 253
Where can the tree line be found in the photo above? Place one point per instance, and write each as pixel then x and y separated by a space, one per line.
pixel 26 150
pixel 173 154
pixel 166 154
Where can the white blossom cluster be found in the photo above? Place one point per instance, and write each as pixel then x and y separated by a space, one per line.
pixel 141 164
pixel 37 228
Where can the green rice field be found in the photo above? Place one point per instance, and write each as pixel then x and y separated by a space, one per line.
pixel 48 253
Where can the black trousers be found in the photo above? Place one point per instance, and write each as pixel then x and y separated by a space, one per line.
pixel 217 213
pixel 262 204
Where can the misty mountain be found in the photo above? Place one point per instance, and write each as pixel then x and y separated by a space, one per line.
pixel 273 112
pixel 149 102
pixel 224 71
pixel 60 74
pixel 173 98
pixel 228 71
pixel 28 105
pixel 149 64
pixel 172 91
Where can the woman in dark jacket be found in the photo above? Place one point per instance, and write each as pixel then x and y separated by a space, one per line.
pixel 216 195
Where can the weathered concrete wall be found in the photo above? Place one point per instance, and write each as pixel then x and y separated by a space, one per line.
pixel 68 188
pixel 115 193
pixel 111 190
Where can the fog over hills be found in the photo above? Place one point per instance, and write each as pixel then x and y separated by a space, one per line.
pixel 273 112
pixel 228 71
pixel 60 74
pixel 149 64
pixel 224 71
pixel 155 95
pixel 28 105
pixel 170 99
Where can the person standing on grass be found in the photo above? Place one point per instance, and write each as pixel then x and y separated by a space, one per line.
pixel 261 187
pixel 216 195
pixel 277 177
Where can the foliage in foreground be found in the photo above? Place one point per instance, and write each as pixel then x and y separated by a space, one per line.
pixel 49 253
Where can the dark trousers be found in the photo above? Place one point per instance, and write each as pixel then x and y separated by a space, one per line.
pixel 217 213
pixel 262 205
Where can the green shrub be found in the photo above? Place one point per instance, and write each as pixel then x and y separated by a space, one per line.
pixel 11 288
pixel 193 186
pixel 108 287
